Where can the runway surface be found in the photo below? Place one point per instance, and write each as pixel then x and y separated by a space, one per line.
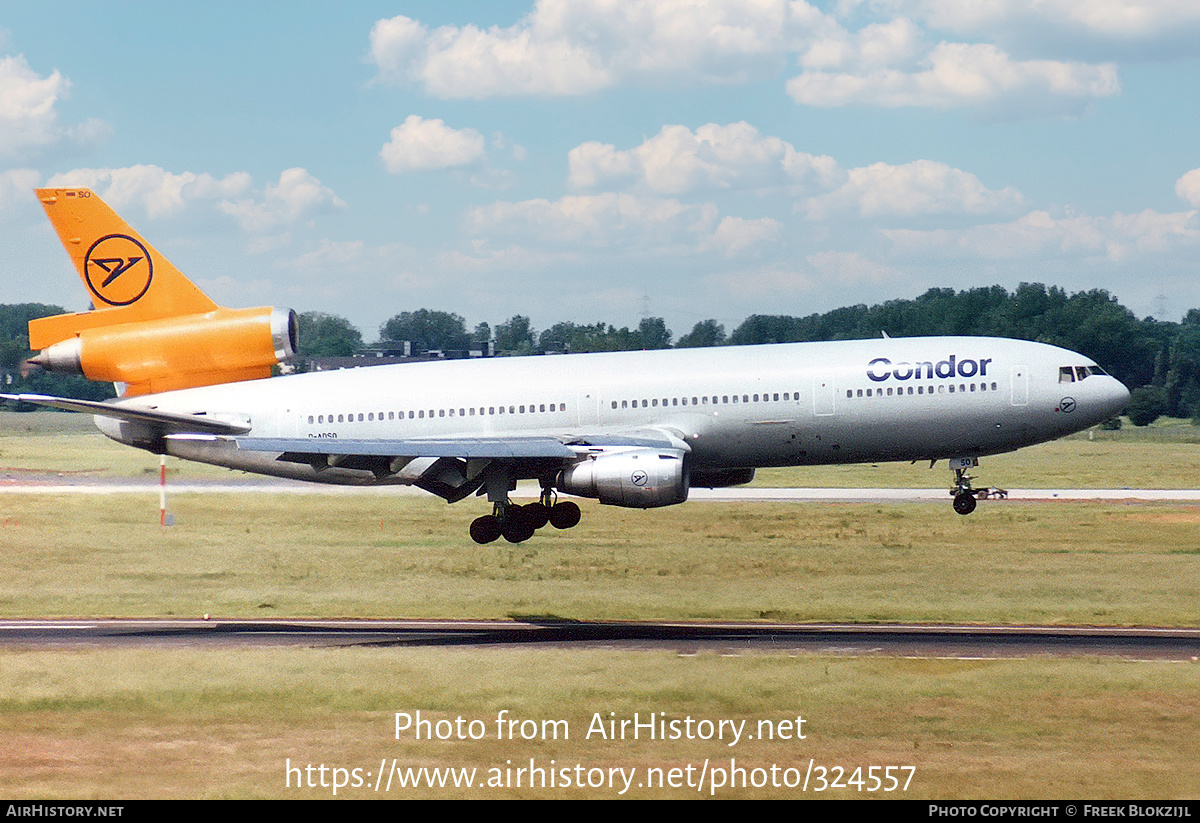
pixel 41 483
pixel 963 642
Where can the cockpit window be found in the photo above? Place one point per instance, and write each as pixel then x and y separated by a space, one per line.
pixel 1069 374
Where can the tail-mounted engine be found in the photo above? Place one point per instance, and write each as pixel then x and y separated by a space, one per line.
pixel 151 329
pixel 636 478
pixel 220 346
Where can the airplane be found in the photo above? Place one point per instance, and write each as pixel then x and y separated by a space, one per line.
pixel 634 429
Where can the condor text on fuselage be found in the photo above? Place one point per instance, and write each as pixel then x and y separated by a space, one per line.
pixel 945 369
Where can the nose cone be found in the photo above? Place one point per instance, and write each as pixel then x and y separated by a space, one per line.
pixel 1115 397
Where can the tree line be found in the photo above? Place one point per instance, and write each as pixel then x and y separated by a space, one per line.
pixel 1159 360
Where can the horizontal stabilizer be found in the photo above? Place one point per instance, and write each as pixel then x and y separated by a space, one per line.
pixel 136 414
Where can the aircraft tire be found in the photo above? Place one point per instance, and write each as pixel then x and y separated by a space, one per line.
pixel 538 513
pixel 518 524
pixel 485 529
pixel 964 503
pixel 564 515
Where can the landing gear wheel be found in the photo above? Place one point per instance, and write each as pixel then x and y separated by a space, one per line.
pixel 964 503
pixel 518 524
pixel 538 513
pixel 564 515
pixel 485 529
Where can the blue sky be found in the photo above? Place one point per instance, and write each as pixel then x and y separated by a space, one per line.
pixel 592 160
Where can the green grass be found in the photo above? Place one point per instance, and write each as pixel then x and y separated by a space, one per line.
pixel 193 723
pixel 168 722
pixel 375 555
pixel 34 444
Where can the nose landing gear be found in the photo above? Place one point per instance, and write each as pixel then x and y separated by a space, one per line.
pixel 965 496
pixel 964 502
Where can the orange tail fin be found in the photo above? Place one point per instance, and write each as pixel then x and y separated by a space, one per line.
pixel 151 328
pixel 126 277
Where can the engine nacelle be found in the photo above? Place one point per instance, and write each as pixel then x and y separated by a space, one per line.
pixel 635 478
pixel 221 346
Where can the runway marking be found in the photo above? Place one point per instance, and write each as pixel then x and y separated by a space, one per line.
pixel 25 624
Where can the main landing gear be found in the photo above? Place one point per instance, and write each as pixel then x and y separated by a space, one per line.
pixel 516 524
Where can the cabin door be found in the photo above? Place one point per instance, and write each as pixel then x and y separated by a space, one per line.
pixel 1020 385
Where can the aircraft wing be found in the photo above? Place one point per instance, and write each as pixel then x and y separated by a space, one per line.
pixel 466 447
pixel 173 421
pixel 566 447
pixel 450 467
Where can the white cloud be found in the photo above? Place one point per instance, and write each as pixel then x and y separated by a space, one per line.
pixel 962 74
pixel 1188 187
pixel 297 195
pixel 879 44
pixel 455 62
pixel 734 234
pixel 1038 234
pixel 27 116
pixel 1118 19
pixel 331 255
pixel 398 47
pixel 16 188
pixel 600 220
pixel 599 165
pixel 483 260
pixel 421 145
pixel 159 192
pixel 28 121
pixel 677 161
pixel 769 281
pixel 568 47
pixel 618 222
pixel 1152 231
pixel 715 157
pixel 919 188
pixel 850 268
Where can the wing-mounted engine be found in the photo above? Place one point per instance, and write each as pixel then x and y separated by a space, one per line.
pixel 637 478
pixel 219 346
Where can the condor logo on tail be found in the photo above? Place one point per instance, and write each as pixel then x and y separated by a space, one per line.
pixel 108 259
pixel 151 330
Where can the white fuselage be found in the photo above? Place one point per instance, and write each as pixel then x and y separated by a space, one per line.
pixel 734 407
